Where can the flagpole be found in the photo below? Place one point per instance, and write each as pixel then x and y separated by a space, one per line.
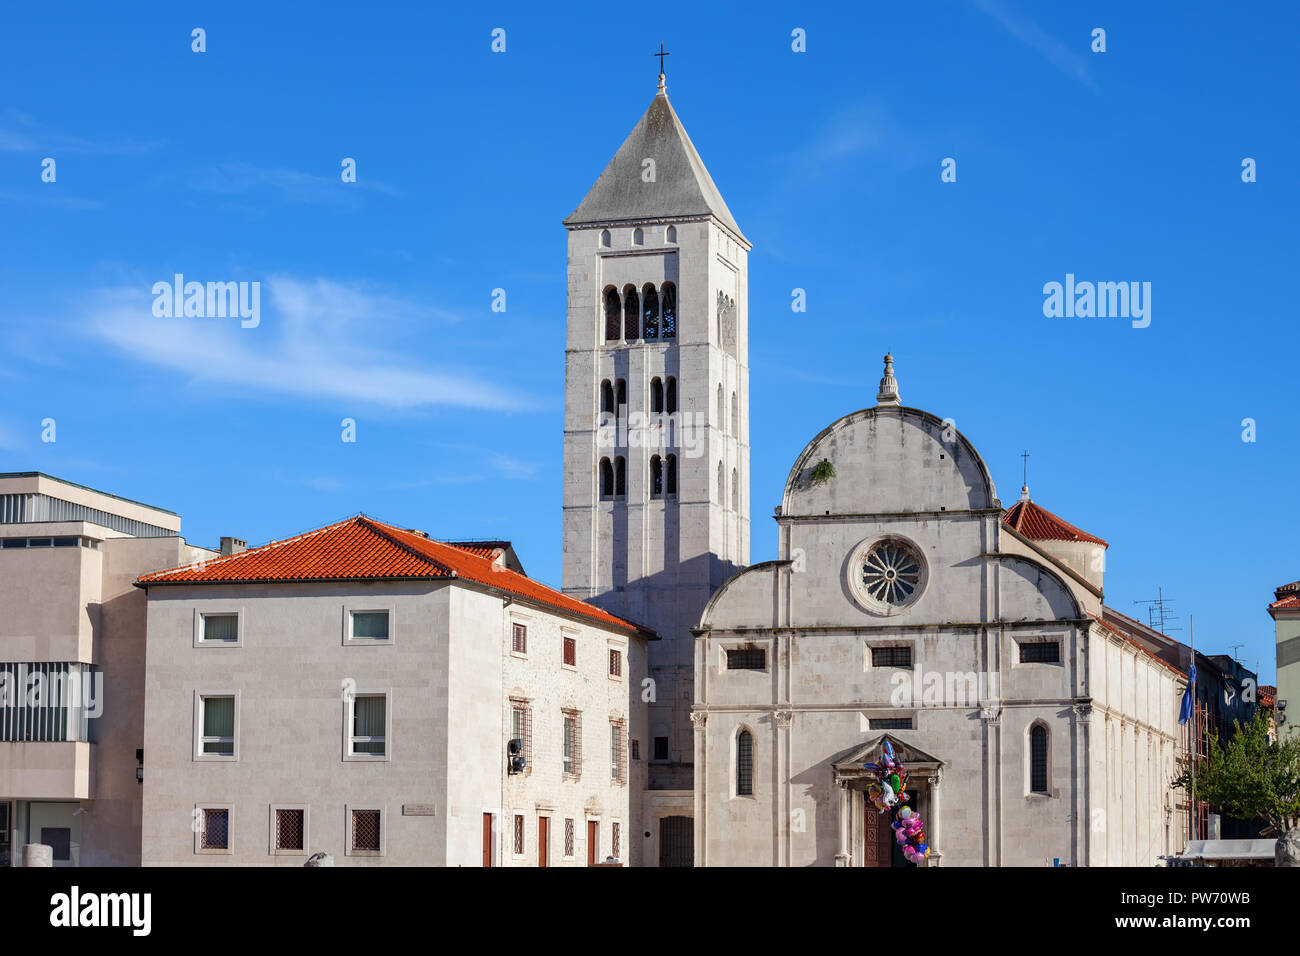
pixel 1191 625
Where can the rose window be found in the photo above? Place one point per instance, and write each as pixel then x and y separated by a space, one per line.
pixel 891 573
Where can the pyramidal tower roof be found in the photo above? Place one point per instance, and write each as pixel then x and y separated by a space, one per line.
pixel 681 186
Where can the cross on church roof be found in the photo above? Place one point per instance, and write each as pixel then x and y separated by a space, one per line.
pixel 661 54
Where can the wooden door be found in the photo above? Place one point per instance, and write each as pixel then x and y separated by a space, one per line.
pixel 877 837
pixel 543 841
pixel 487 839
pixel 676 841
pixel 593 842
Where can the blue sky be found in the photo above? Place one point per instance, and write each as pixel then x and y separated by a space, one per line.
pixel 376 296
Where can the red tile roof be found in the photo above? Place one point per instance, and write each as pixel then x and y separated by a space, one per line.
pixel 1039 524
pixel 1288 603
pixel 363 549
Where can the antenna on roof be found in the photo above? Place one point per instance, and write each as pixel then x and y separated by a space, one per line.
pixel 1158 613
pixel 1234 651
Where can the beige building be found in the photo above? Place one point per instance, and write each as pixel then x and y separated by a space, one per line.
pixel 72 650
pixel 370 693
pixel 1285 611
pixel 907 605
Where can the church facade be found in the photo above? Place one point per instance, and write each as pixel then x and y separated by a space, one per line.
pixel 906 603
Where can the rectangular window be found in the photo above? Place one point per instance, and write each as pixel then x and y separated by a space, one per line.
pixel 218 721
pixel 519 834
pixel 568 837
pixel 520 639
pixel 617 765
pixel 366 835
pixel 890 723
pixel 221 628
pixel 290 829
pixel 369 725
pixel 570 652
pixel 747 659
pixel 615 662
pixel 891 657
pixel 636 750
pixel 521 728
pixel 1040 652
pixel 572 743
pixel 369 626
pixel 661 748
pixel 215 829
pixel 616 838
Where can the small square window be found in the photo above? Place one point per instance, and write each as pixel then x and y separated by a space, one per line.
pixel 661 748
pixel 615 662
pixel 212 829
pixel 368 626
pixel 570 651
pixel 891 657
pixel 289 831
pixel 219 629
pixel 519 638
pixel 365 831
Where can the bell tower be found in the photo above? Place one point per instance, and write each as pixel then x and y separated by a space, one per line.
pixel 656 439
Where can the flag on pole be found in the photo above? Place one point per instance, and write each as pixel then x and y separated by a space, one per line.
pixel 1185 714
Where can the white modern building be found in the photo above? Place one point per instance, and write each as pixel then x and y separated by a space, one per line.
pixel 72 650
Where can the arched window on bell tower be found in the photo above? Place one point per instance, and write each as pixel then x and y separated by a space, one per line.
pixel 604 238
pixel 722 410
pixel 612 315
pixel 606 479
pixel 656 395
pixel 651 312
pixel 671 481
pixel 620 477
pixel 606 397
pixel 735 415
pixel 656 477
pixel 631 314
pixel 671 401
pixel 668 305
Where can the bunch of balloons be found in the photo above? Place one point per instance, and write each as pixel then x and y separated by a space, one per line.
pixel 909 830
pixel 886 792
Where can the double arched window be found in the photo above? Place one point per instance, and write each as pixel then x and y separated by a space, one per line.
pixel 613 477
pixel 663 476
pixel 631 314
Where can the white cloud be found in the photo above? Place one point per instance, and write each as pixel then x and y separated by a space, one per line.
pixel 1061 56
pixel 321 339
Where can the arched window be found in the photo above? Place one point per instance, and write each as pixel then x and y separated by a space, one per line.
pixel 744 764
pixel 651 312
pixel 722 410
pixel 672 394
pixel 620 477
pixel 631 314
pixel 604 238
pixel 735 490
pixel 719 316
pixel 620 391
pixel 606 479
pixel 606 396
pixel 656 395
pixel 656 477
pixel 612 316
pixel 671 483
pixel 671 233
pixel 668 303
pixel 638 237
pixel 722 488
pixel 735 415
pixel 1038 759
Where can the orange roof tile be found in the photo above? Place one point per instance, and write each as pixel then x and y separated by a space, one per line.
pixel 362 549
pixel 1039 524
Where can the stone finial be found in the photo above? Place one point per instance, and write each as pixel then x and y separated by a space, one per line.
pixel 663 85
pixel 1024 492
pixel 888 394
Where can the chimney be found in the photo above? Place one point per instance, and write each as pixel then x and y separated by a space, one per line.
pixel 231 546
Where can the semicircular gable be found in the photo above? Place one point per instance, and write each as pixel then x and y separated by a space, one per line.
pixel 746 599
pixel 889 459
pixel 1030 591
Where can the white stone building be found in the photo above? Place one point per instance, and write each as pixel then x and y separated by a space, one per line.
pixel 72 649
pixel 355 690
pixel 905 603
pixel 656 440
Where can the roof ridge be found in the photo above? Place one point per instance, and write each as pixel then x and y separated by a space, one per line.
pixel 385 532
pixel 227 558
